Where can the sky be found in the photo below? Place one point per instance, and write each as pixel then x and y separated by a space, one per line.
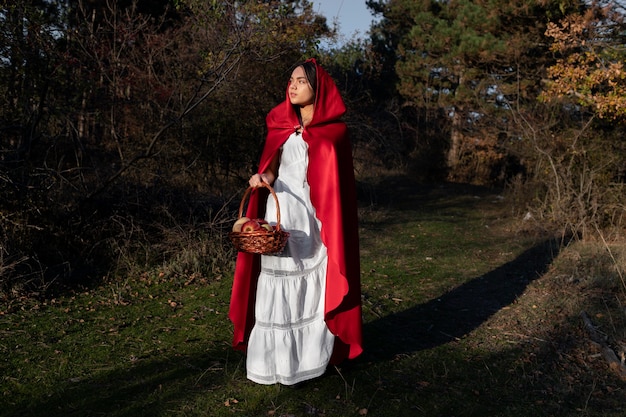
pixel 351 15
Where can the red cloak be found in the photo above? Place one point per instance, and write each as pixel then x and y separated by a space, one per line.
pixel 333 194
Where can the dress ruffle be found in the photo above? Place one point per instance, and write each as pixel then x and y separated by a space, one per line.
pixel 290 342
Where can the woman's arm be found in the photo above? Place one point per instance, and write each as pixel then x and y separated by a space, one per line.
pixel 268 176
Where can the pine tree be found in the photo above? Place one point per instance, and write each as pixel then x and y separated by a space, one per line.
pixel 467 62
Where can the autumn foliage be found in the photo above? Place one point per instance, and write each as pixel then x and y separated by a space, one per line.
pixel 589 69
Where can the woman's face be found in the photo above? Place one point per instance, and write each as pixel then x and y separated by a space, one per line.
pixel 300 91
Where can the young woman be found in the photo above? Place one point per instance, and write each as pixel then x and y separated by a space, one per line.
pixel 296 312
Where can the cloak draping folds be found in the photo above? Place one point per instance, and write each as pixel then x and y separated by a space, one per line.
pixel 333 194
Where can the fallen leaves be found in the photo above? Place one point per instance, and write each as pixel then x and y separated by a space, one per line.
pixel 230 401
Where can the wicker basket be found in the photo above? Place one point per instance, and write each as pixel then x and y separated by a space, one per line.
pixel 260 241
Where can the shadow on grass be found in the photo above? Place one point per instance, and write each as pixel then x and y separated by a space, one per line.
pixel 147 388
pixel 458 312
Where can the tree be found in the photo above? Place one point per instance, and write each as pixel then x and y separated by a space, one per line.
pixel 28 55
pixel 135 113
pixel 589 70
pixel 574 144
pixel 465 63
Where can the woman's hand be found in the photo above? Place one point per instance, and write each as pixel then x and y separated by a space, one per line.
pixel 266 177
pixel 257 179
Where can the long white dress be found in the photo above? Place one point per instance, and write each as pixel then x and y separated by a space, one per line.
pixel 290 341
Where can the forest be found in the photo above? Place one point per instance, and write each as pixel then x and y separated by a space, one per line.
pixel 128 129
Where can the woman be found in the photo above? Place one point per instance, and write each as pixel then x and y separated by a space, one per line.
pixel 298 311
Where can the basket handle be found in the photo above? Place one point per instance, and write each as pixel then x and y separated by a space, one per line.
pixel 269 187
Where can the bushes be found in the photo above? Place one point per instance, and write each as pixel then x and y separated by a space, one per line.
pixel 131 125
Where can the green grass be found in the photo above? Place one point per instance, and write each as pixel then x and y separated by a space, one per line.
pixel 456 324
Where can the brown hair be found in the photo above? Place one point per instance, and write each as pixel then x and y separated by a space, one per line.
pixel 311 75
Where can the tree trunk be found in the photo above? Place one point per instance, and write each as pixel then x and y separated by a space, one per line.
pixel 456 136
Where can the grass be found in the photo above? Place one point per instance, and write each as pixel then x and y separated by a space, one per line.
pixel 463 316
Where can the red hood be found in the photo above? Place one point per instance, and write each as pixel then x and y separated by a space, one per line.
pixel 283 119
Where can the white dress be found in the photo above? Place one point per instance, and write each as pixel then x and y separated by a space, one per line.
pixel 290 341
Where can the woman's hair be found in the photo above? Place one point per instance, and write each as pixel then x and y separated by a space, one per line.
pixel 311 75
